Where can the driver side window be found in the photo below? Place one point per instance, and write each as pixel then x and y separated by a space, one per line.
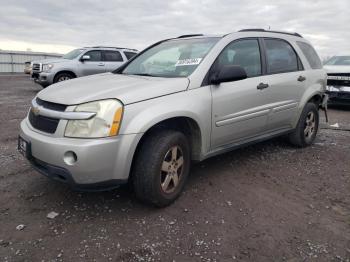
pixel 95 56
pixel 244 53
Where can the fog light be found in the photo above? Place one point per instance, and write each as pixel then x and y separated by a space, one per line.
pixel 70 158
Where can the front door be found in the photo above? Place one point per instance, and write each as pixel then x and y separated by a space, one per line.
pixel 240 108
pixel 95 65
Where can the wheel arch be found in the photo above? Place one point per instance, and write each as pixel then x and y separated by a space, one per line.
pixel 64 71
pixel 315 97
pixel 187 125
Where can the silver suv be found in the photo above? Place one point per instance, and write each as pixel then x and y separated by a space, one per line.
pixel 180 100
pixel 80 62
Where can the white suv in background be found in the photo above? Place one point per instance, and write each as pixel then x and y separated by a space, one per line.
pixel 80 62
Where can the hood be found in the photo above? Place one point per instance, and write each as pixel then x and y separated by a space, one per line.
pixel 337 69
pixel 51 60
pixel 127 88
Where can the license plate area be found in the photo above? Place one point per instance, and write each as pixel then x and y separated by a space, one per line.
pixel 35 75
pixel 24 147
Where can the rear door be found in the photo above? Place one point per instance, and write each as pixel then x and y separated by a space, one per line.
pixel 95 65
pixel 286 80
pixel 239 108
pixel 113 60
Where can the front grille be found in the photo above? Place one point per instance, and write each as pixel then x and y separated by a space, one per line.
pixel 50 105
pixel 338 74
pixel 338 79
pixel 36 67
pixel 43 123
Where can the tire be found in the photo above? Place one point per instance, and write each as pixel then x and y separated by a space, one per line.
pixel 63 77
pixel 307 127
pixel 159 174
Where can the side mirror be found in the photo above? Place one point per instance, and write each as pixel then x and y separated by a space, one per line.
pixel 85 58
pixel 229 73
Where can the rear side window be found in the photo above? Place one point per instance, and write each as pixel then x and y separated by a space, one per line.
pixel 280 56
pixel 129 55
pixel 113 56
pixel 311 55
pixel 95 55
pixel 244 53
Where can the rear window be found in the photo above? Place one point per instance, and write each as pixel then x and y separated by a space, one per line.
pixel 129 54
pixel 113 56
pixel 311 55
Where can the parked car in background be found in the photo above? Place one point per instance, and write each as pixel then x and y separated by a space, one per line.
pixel 338 82
pixel 28 67
pixel 180 100
pixel 80 62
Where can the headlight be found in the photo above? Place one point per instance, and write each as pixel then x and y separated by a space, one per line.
pixel 47 67
pixel 105 123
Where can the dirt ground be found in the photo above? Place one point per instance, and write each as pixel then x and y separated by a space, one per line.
pixel 267 202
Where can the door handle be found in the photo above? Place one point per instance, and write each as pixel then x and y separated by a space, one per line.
pixel 301 78
pixel 101 64
pixel 262 86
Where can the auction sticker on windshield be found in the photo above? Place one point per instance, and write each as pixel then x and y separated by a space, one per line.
pixel 190 61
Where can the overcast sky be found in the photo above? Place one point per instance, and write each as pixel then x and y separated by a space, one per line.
pixel 60 25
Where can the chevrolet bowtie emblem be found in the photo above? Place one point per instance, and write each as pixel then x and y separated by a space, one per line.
pixel 35 110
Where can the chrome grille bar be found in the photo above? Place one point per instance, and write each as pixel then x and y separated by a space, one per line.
pixel 40 110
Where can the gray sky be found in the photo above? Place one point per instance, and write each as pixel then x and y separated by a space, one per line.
pixel 60 25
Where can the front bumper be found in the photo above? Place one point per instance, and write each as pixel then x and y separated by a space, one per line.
pixel 42 78
pixel 338 95
pixel 101 163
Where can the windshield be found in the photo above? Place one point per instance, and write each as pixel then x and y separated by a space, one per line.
pixel 339 60
pixel 175 58
pixel 73 54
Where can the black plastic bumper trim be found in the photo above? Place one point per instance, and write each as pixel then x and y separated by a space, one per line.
pixel 63 175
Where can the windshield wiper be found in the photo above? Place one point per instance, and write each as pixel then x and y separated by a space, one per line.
pixel 143 74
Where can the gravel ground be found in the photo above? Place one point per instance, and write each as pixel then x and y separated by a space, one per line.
pixel 267 202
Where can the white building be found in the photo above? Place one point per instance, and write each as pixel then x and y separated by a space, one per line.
pixel 13 61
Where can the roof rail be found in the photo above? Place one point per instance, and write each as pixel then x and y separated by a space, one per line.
pixel 113 47
pixel 268 31
pixel 185 36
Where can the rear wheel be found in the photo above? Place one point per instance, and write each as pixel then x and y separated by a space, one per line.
pixel 63 77
pixel 161 167
pixel 307 127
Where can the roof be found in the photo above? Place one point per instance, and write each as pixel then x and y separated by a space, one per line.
pixel 113 47
pixel 269 31
pixel 240 31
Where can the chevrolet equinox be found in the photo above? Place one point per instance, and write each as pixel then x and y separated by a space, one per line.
pixel 179 101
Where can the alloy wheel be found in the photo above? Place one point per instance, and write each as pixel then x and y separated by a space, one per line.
pixel 63 78
pixel 310 125
pixel 172 169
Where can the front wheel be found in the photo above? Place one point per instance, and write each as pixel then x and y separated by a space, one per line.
pixel 161 167
pixel 62 77
pixel 307 127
